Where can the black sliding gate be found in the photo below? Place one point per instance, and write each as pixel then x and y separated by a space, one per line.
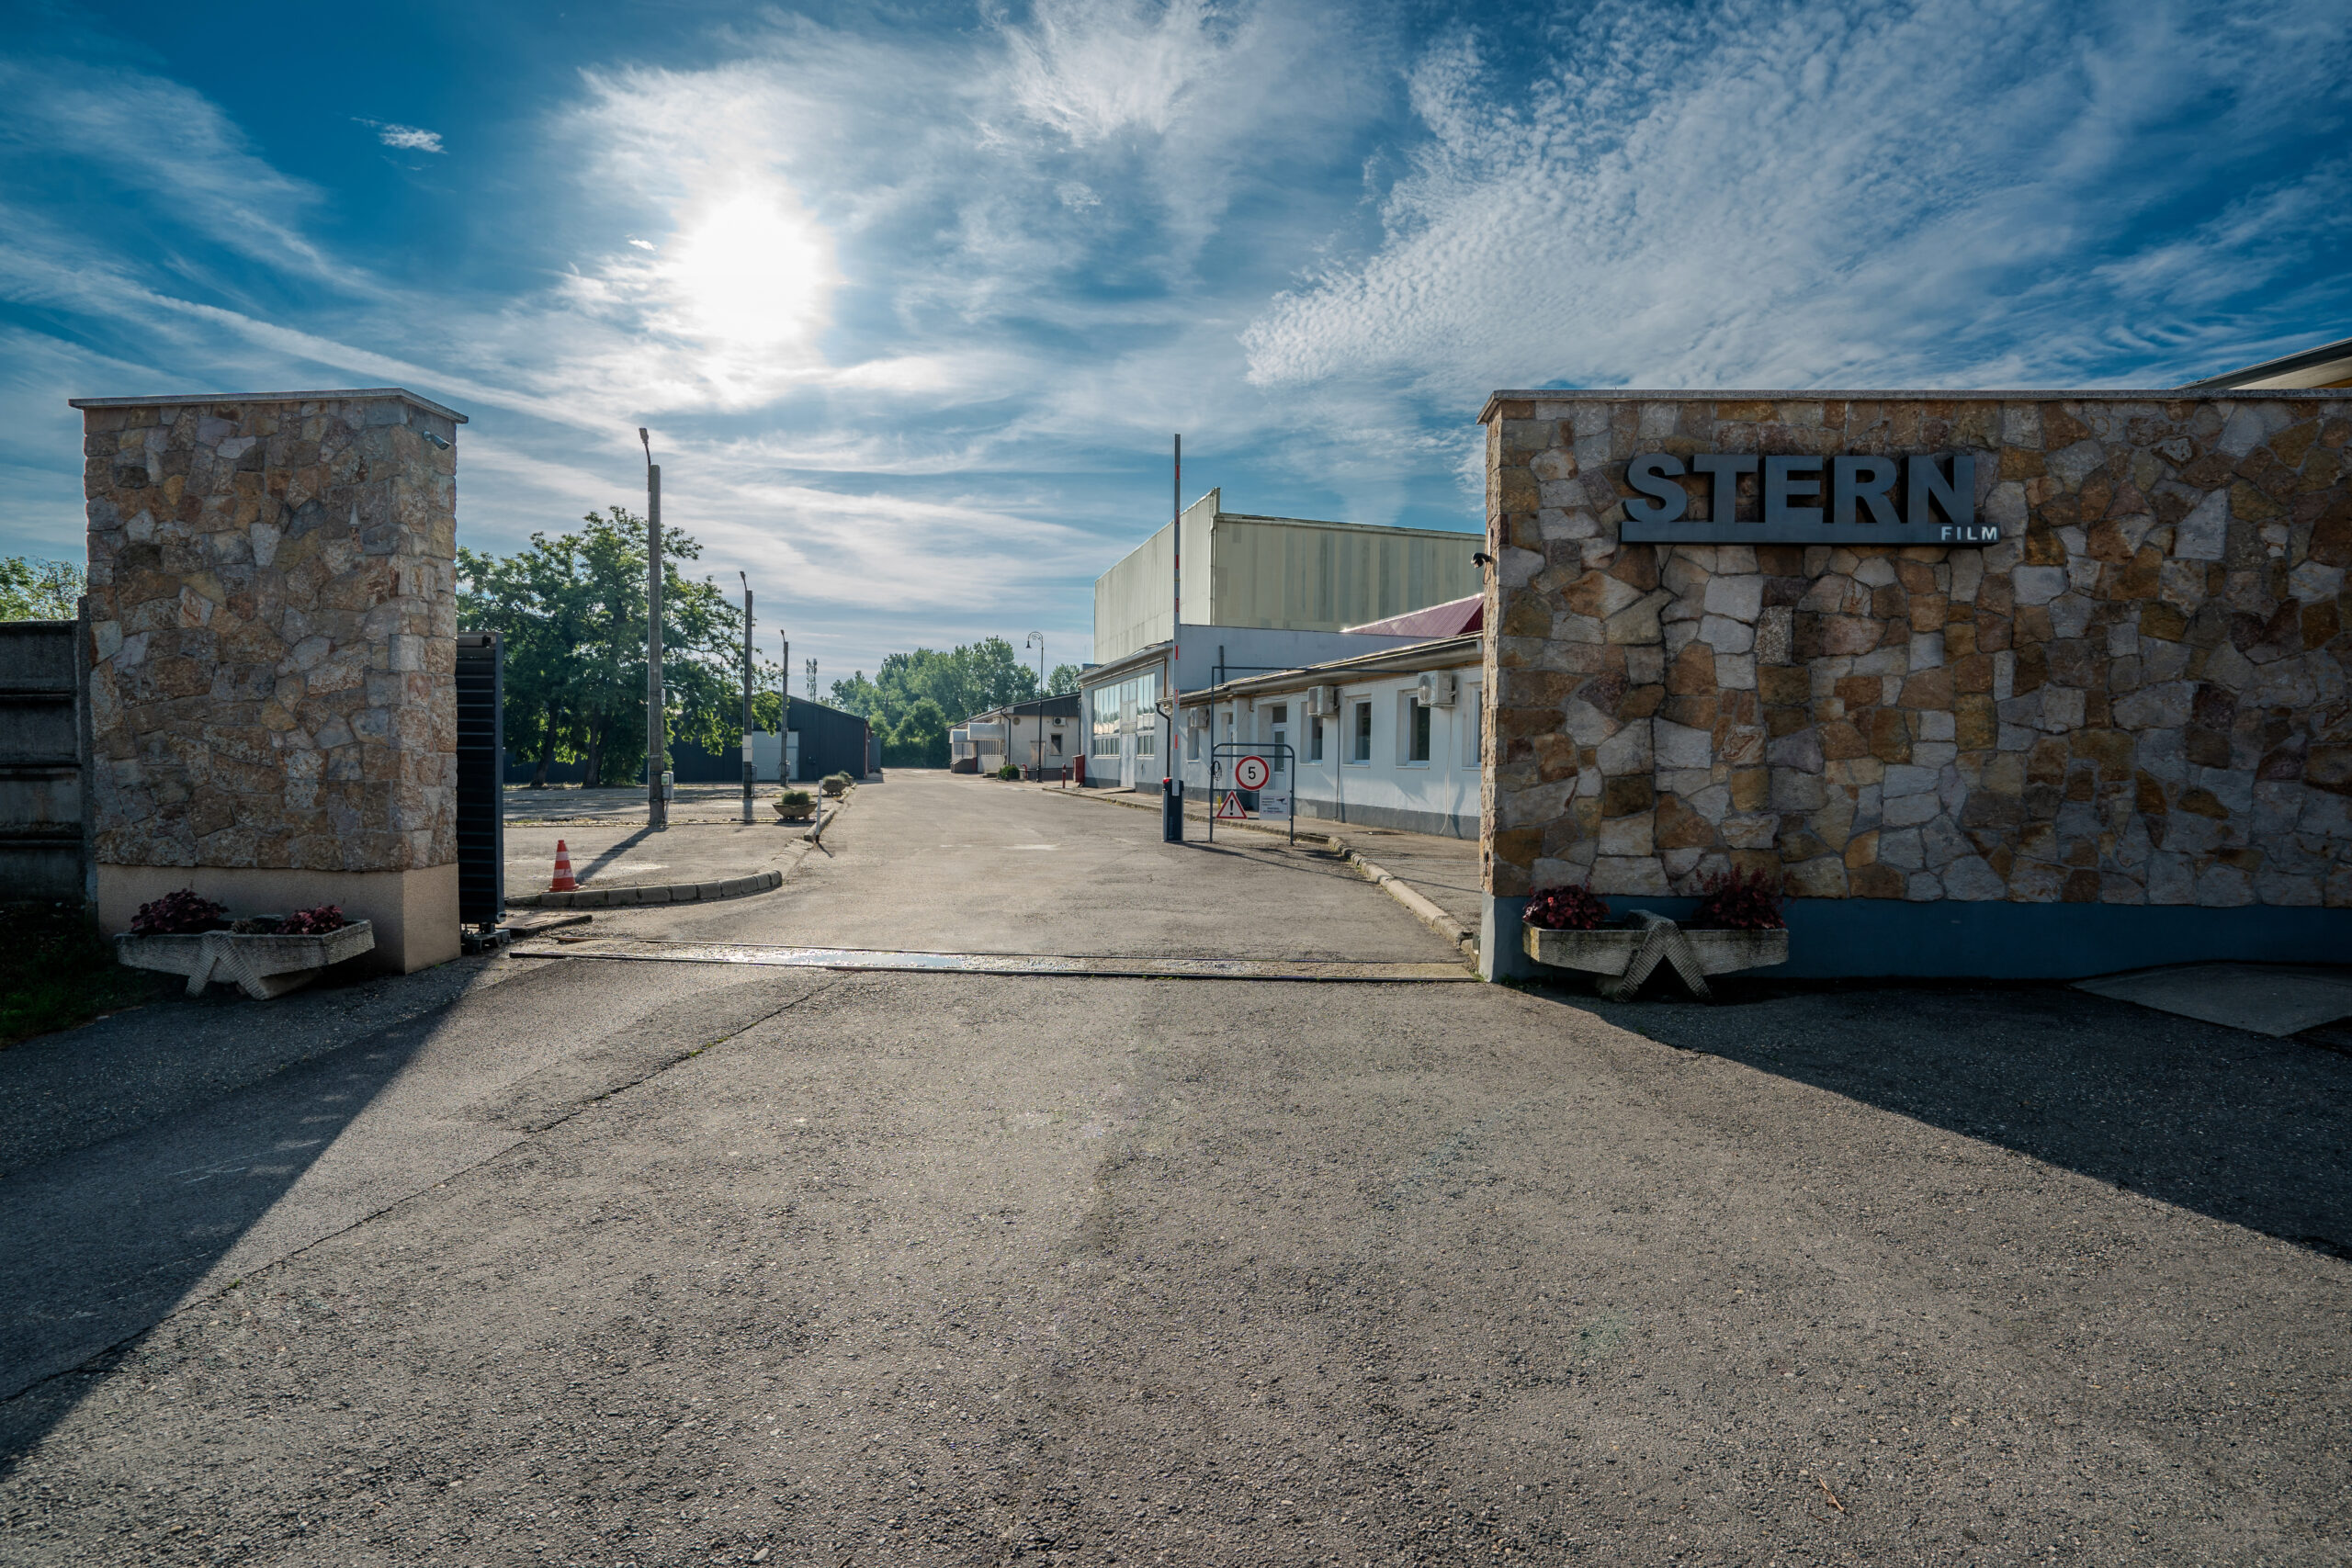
pixel 481 802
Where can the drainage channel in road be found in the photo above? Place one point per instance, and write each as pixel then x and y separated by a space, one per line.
pixel 649 950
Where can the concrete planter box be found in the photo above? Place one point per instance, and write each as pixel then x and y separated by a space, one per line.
pixel 1624 956
pixel 263 966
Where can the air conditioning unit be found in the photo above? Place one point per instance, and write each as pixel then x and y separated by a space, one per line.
pixel 1322 702
pixel 1196 717
pixel 1438 689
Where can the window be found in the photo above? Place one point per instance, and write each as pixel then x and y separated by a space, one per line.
pixel 1468 724
pixel 1417 733
pixel 1281 720
pixel 1104 700
pixel 1314 740
pixel 1362 750
pixel 1057 742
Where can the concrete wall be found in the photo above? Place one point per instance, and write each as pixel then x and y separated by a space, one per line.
pixel 42 836
pixel 1306 576
pixel 1134 605
pixel 1276 573
pixel 2132 703
pixel 273 620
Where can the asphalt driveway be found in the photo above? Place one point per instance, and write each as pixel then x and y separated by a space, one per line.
pixel 828 1268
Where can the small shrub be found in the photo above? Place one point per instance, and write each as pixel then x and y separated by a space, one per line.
pixel 835 783
pixel 1010 770
pixel 315 921
pixel 795 803
pixel 255 925
pixel 178 914
pixel 1739 901
pixel 1567 909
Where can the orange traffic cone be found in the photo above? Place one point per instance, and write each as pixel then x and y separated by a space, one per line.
pixel 564 882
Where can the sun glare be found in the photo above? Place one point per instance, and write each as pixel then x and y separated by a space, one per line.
pixel 756 269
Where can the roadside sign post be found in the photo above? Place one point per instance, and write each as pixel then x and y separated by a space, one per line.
pixel 1245 762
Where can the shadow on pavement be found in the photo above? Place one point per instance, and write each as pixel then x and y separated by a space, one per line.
pixel 105 1240
pixel 2249 1130
pixel 602 860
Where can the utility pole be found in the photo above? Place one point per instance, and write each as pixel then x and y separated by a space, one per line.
pixel 1039 638
pixel 784 716
pixel 748 771
pixel 1171 786
pixel 657 740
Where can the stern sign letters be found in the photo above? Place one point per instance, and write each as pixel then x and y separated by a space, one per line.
pixel 1938 501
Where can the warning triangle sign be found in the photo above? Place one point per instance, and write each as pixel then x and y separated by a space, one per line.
pixel 1228 807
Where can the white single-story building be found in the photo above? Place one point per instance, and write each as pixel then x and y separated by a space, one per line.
pixel 1388 738
pixel 1122 715
pixel 1042 733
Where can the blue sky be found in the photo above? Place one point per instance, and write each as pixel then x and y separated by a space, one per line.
pixel 913 296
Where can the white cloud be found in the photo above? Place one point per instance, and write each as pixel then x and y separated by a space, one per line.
pixel 1809 194
pixel 172 146
pixel 1091 69
pixel 409 137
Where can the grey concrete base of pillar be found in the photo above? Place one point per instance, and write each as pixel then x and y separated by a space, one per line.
pixel 414 912
pixel 1501 955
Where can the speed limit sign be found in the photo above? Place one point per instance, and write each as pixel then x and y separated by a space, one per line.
pixel 1251 772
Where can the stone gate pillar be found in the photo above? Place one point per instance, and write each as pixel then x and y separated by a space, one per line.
pixel 272 615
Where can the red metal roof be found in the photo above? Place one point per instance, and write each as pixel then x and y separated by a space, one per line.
pixel 1452 618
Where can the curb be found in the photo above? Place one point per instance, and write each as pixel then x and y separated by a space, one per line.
pixel 633 896
pixel 1436 920
pixel 1463 936
pixel 641 894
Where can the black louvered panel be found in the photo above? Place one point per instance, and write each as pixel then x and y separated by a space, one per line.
pixel 481 806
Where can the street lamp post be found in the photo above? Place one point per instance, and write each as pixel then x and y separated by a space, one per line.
pixel 1039 638
pixel 748 773
pixel 657 740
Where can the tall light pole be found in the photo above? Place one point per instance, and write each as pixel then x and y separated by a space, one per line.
pixel 657 740
pixel 783 715
pixel 1039 638
pixel 747 695
pixel 1172 784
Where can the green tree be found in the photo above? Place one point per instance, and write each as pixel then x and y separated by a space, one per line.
pixel 962 682
pixel 34 589
pixel 921 739
pixel 860 696
pixel 571 613
pixel 1064 680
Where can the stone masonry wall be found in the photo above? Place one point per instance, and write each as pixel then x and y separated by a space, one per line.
pixel 2137 697
pixel 273 606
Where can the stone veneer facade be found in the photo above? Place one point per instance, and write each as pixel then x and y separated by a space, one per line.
pixel 2136 698
pixel 273 611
